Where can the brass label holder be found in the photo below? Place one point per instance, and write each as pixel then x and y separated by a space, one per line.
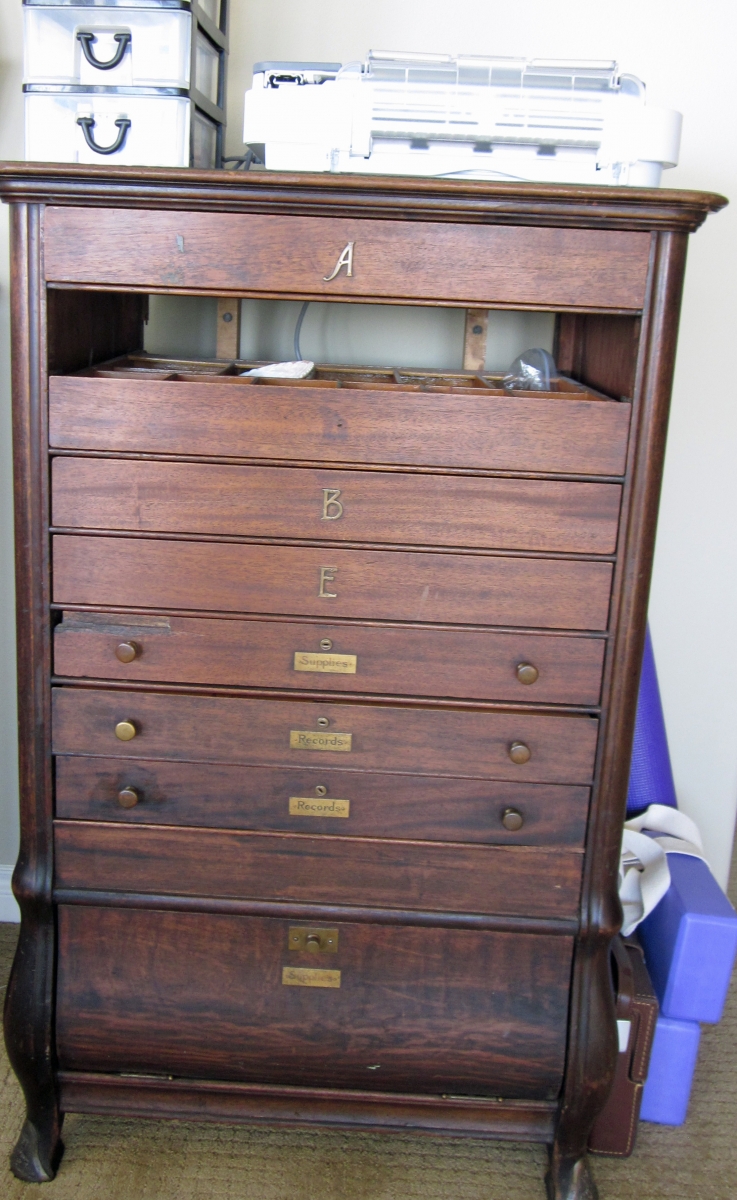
pixel 311 806
pixel 309 977
pixel 311 739
pixel 329 664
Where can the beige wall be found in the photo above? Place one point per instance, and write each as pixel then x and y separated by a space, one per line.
pixel 685 52
pixel 11 146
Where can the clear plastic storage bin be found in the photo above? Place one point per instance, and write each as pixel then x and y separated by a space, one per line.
pixel 207 67
pixel 113 46
pixel 129 130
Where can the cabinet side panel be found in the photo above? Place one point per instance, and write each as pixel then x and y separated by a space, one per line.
pixel 89 327
pixel 29 1000
pixel 592 1049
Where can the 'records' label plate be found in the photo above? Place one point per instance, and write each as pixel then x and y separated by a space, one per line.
pixel 311 806
pixel 309 739
pixel 309 977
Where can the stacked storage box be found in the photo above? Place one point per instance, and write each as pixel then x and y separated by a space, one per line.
pixel 689 939
pixel 140 82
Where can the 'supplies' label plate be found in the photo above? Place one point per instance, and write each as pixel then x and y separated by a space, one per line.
pixel 309 977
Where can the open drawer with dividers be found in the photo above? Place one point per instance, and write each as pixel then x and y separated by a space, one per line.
pixel 457 421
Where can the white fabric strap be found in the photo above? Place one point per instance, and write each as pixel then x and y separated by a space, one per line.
pixel 644 877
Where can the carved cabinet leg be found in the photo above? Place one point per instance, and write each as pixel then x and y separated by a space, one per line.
pixel 569 1178
pixel 592 1058
pixel 28 1036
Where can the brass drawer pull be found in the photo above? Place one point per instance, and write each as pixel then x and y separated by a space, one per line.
pixel 519 753
pixel 129 797
pixel 313 939
pixel 512 819
pixel 526 673
pixel 125 730
pixel 127 651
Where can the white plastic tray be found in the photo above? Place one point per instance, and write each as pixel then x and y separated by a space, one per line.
pixel 157 133
pixel 155 45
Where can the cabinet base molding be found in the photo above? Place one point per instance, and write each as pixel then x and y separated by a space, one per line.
pixel 190 1099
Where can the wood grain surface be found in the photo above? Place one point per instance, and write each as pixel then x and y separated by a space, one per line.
pixel 339 506
pixel 203 993
pixel 478 266
pixel 325 582
pixel 382 873
pixel 261 653
pixel 220 796
pixel 415 198
pixel 195 995
pixel 563 435
pixel 383 738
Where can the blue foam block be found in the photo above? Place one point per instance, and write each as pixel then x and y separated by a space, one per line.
pixel 670 1074
pixel 651 777
pixel 690 942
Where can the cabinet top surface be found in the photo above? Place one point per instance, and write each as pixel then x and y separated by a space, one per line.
pixel 407 198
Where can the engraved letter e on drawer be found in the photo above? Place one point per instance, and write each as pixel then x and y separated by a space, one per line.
pixel 327 577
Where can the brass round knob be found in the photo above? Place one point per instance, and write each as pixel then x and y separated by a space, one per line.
pixel 125 730
pixel 519 753
pixel 323 722
pixel 128 797
pixel 321 790
pixel 326 644
pixel 512 819
pixel 127 651
pixel 312 942
pixel 526 673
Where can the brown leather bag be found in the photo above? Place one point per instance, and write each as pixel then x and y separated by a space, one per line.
pixel 615 1129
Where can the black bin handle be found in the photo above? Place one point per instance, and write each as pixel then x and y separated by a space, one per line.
pixel 87 40
pixel 88 124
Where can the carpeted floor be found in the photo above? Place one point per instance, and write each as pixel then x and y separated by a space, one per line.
pixel 117 1159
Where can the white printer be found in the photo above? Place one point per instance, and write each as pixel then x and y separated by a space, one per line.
pixel 461 116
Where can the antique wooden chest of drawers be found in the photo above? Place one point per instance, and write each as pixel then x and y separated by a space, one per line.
pixel 327 688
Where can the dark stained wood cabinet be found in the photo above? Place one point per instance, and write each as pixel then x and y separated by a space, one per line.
pixel 327 688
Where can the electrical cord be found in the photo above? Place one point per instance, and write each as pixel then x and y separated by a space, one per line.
pixel 298 329
pixel 242 161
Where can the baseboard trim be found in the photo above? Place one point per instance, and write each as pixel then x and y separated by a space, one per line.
pixel 9 910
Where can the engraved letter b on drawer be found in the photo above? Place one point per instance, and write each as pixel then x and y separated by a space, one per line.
pixel 332 509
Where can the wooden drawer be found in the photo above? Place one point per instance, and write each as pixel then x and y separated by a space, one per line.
pixel 289 733
pixel 482 265
pixel 407 876
pixel 387 585
pixel 336 658
pixel 320 800
pixel 220 418
pixel 339 506
pixel 417 1010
